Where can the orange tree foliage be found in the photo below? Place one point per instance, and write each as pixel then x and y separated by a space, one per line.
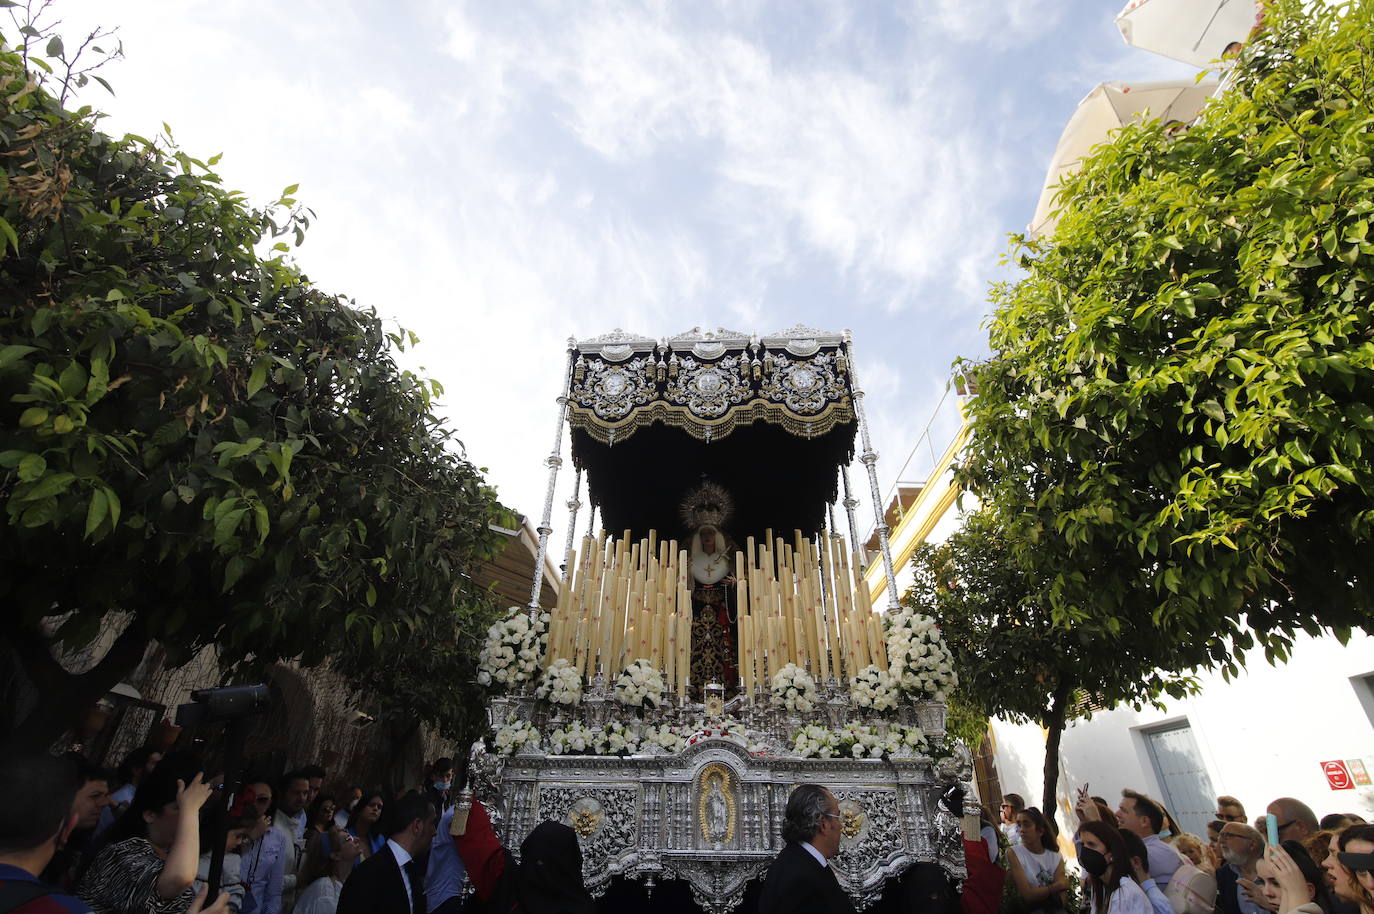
pixel 195 436
pixel 1175 428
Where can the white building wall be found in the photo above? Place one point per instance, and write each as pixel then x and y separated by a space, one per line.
pixel 948 522
pixel 1261 736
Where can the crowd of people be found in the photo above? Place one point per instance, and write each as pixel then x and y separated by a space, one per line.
pixel 1136 860
pixel 140 840
pixel 75 838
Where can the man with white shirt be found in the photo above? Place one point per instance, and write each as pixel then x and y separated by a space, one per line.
pixel 290 820
pixel 390 881
pixel 801 878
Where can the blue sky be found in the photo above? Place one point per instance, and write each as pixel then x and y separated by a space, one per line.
pixel 498 176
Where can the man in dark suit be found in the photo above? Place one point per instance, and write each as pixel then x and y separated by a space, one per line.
pixel 801 879
pixel 391 881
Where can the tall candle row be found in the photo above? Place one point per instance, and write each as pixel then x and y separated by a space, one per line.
pixel 620 601
pixel 798 602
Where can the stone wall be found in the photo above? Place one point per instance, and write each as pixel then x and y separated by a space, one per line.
pixel 314 717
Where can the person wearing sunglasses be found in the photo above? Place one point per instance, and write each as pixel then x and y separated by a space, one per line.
pixel 1297 821
pixel 1229 809
pixel 1351 864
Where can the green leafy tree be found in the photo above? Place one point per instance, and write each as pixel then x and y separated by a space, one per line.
pixel 1174 430
pixel 1014 659
pixel 195 436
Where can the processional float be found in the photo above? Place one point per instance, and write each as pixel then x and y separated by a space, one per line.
pixel 713 643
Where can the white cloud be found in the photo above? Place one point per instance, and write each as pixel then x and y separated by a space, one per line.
pixel 878 177
pixel 497 176
pixel 991 24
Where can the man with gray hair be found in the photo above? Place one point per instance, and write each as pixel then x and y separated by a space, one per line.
pixel 801 879
pixel 1241 848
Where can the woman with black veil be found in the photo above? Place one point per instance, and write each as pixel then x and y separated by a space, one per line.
pixel 546 880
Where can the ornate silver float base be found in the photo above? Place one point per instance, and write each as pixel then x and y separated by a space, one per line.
pixel 711 815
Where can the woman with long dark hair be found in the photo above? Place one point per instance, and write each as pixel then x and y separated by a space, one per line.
pixel 136 765
pixel 1036 868
pixel 1103 856
pixel 1351 864
pixel 363 824
pixel 320 816
pixel 151 860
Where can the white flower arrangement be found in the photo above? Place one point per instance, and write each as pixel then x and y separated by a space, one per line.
pixel 639 685
pixel 920 661
pixel 858 741
pixel 874 688
pixel 561 683
pixel 667 737
pixel 794 689
pixel 814 741
pixel 574 739
pixel 514 645
pixel 509 737
pixel 579 739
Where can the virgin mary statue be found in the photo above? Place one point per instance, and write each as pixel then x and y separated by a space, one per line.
pixel 705 511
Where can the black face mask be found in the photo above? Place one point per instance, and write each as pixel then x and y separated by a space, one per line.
pixel 1094 862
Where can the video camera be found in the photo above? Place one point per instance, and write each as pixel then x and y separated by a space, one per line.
pixel 210 706
pixel 232 706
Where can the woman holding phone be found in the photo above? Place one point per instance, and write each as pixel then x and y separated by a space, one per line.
pixel 1291 882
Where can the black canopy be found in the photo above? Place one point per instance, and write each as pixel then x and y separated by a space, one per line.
pixel 770 420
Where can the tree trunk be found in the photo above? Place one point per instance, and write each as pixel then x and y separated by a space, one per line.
pixel 62 695
pixel 1054 723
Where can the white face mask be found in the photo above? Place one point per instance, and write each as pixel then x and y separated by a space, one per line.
pixel 442 785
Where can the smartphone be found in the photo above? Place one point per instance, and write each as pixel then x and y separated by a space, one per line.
pixel 1271 821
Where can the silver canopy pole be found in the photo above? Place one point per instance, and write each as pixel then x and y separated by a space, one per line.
pixel 553 462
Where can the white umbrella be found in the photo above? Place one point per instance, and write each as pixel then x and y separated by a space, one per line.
pixel 1105 109
pixel 1196 32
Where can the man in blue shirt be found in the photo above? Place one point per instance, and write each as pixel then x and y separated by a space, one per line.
pixel 1143 816
pixel 35 820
